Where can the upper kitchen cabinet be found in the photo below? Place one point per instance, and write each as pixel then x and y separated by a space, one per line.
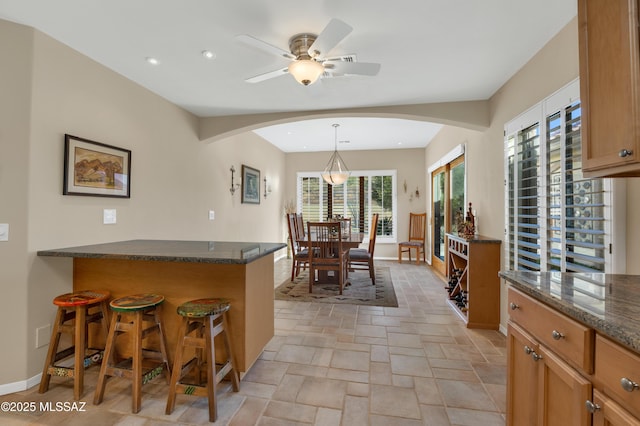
pixel 609 87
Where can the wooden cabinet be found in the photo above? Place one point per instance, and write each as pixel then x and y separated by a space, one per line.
pixel 559 372
pixel 522 379
pixel 617 374
pixel 609 87
pixel 564 336
pixel 474 285
pixel 542 389
pixel 608 413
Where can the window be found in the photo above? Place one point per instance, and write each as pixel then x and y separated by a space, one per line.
pixel 557 219
pixel 364 193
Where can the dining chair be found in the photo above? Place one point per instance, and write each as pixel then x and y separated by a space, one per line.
pixel 328 253
pixel 417 225
pixel 361 258
pixel 300 255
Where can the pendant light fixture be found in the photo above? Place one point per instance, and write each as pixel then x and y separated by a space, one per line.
pixel 336 171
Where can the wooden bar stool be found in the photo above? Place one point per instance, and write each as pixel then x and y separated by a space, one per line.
pixel 83 308
pixel 129 315
pixel 207 318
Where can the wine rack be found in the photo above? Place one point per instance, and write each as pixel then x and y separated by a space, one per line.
pixel 473 286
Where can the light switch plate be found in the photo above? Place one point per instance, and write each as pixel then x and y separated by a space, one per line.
pixel 212 215
pixel 109 216
pixel 4 232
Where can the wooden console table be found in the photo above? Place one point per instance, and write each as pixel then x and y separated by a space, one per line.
pixel 474 286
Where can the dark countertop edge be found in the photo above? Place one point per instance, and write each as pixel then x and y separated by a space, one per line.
pixel 611 330
pixel 476 239
pixel 159 257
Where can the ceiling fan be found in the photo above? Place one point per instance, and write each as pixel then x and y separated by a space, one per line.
pixel 307 55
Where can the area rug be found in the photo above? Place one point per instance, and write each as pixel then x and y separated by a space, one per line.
pixel 360 292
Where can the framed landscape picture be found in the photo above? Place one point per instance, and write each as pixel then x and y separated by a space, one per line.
pixel 95 169
pixel 250 185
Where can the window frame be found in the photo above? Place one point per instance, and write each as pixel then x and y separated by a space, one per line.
pixel 614 189
pixel 385 239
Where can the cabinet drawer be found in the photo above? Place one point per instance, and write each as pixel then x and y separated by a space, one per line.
pixel 613 364
pixel 571 340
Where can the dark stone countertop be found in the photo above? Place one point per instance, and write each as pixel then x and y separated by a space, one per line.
pixel 171 251
pixel 475 239
pixel 608 303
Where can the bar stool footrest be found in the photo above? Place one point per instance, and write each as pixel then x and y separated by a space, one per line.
pixel 66 368
pixel 124 369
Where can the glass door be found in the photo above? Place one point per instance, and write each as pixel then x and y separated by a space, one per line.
pixel 448 189
pixel 456 192
pixel 439 214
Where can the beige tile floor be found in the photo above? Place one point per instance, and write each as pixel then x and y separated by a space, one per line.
pixel 330 365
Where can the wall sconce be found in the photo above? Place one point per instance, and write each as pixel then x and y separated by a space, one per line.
pixel 267 188
pixel 234 186
pixel 411 194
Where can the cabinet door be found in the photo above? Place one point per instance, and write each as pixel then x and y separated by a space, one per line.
pixel 609 413
pixel 562 393
pixel 522 380
pixel 608 42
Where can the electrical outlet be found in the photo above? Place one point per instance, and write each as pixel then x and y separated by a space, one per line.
pixel 212 215
pixel 43 335
pixel 4 232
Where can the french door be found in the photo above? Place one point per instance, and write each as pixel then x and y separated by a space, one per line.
pixel 448 193
pixel 440 218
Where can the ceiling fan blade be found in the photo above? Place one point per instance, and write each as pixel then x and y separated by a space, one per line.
pixel 264 46
pixel 333 33
pixel 351 68
pixel 267 75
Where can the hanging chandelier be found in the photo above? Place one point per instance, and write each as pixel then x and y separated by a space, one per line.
pixel 336 171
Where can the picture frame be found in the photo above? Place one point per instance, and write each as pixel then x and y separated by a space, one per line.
pixel 95 169
pixel 250 185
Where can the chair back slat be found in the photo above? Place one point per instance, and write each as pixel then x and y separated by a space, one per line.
pixel 417 224
pixel 293 237
pixel 300 227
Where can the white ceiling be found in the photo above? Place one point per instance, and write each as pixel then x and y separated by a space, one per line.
pixel 429 51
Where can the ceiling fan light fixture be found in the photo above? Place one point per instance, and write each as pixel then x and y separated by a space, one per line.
pixel 336 172
pixel 305 71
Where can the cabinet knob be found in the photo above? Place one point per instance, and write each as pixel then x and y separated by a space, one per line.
pixel 535 356
pixel 625 152
pixel 592 407
pixel 628 385
pixel 556 335
pixel 513 306
pixel 528 350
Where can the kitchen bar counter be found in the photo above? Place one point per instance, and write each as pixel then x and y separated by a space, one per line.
pixel 608 303
pixel 171 251
pixel 186 270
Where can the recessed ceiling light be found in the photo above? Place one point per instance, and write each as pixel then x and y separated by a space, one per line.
pixel 152 61
pixel 208 54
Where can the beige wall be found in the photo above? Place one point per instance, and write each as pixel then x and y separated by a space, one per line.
pixel 15 103
pixel 409 164
pixel 176 178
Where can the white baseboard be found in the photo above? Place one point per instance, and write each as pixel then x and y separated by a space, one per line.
pixel 502 329
pixel 20 386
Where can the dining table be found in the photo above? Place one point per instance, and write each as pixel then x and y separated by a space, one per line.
pixel 350 240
